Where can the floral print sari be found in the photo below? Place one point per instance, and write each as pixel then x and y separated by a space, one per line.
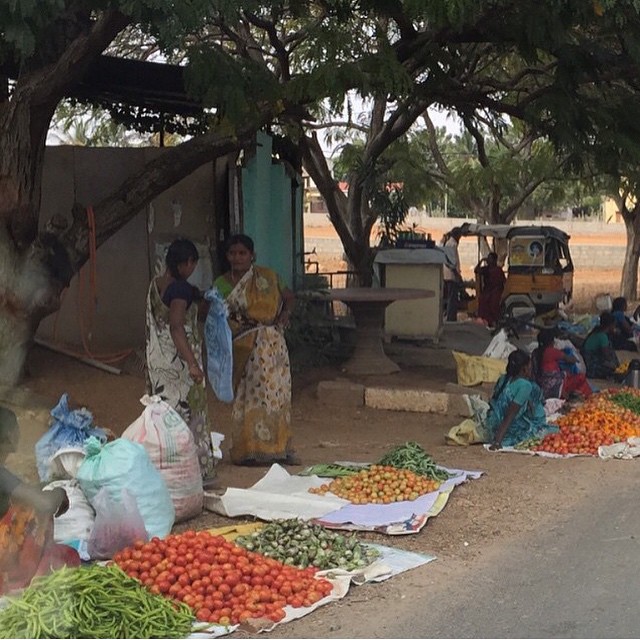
pixel 168 375
pixel 261 375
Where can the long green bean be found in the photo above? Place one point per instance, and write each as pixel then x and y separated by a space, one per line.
pixel 92 602
pixel 413 457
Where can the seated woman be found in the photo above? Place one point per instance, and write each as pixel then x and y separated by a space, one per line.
pixel 516 410
pixel 597 349
pixel 492 282
pixel 26 520
pixel 622 338
pixel 548 373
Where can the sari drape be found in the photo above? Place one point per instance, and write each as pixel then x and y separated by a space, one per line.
pixel 261 412
pixel 168 374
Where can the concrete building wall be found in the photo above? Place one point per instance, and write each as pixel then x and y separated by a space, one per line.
pixel 114 318
pixel 272 211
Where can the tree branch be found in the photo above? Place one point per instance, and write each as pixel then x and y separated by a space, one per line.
pixel 280 50
pixel 432 140
pixel 174 164
pixel 51 82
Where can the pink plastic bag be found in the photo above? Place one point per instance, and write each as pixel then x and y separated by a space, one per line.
pixel 118 525
pixel 172 449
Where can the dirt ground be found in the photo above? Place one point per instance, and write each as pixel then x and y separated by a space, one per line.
pixel 516 496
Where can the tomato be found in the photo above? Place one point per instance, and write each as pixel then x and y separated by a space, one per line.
pixel 296 602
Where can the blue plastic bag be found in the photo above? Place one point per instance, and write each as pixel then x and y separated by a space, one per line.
pixel 569 367
pixel 125 465
pixel 69 429
pixel 217 335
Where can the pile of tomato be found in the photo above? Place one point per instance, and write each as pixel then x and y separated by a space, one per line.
pixel 598 422
pixel 379 485
pixel 222 582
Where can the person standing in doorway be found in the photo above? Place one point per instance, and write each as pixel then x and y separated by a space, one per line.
pixel 451 273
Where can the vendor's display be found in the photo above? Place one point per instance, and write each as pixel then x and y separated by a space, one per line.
pixel 332 470
pixel 379 485
pixel 92 602
pixel 222 582
pixel 412 457
pixel 300 544
pixel 604 419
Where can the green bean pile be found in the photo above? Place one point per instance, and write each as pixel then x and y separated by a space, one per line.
pixel 332 470
pixel 413 457
pixel 627 400
pixel 92 602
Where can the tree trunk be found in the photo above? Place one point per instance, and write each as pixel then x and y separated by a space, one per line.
pixel 629 281
pixel 37 273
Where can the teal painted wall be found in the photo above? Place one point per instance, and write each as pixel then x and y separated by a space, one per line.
pixel 272 215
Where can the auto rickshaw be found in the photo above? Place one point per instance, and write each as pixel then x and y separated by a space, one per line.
pixel 539 269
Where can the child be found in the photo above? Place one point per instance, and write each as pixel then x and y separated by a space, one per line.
pixel 548 361
pixel 26 520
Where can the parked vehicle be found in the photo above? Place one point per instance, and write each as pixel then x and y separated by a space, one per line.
pixel 539 269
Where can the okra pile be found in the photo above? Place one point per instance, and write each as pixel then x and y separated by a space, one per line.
pixel 301 544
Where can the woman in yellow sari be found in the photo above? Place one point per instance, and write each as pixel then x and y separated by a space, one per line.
pixel 259 309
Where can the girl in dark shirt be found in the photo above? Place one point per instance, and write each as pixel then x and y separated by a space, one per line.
pixel 26 520
pixel 174 347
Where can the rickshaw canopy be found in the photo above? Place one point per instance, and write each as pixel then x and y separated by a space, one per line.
pixel 507 231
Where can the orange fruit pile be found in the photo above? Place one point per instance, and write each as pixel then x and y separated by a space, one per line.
pixel 379 485
pixel 599 421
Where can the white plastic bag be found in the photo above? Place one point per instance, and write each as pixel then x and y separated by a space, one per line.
pixel 77 522
pixel 563 345
pixel 171 447
pixel 123 464
pixel 118 525
pixel 499 347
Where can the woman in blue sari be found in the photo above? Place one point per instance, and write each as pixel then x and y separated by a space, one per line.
pixel 516 408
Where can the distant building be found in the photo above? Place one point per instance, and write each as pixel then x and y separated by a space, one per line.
pixel 313 200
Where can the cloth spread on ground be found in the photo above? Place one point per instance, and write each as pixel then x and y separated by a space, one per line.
pixel 281 495
pixel 373 516
pixel 277 495
pixel 391 562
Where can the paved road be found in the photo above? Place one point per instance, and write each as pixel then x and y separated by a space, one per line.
pixel 578 580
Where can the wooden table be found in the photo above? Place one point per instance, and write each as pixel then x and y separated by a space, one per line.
pixel 368 306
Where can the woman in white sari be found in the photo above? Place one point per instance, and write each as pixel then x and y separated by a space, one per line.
pixel 174 347
pixel 259 308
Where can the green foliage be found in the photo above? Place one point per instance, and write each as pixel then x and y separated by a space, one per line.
pixel 311 335
pixel 21 22
pixel 391 209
